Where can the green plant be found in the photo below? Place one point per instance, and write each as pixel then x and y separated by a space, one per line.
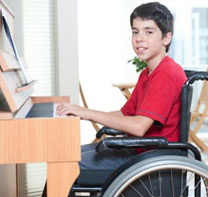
pixel 140 65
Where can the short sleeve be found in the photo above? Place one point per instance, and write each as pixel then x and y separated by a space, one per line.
pixel 158 98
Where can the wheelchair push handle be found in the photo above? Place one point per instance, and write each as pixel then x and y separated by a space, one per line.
pixel 197 76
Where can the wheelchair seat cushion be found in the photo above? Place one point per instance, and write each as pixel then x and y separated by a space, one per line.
pixel 104 177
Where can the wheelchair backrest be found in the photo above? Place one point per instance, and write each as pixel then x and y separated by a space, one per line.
pixel 186 98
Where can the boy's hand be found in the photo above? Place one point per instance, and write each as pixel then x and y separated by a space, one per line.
pixel 71 109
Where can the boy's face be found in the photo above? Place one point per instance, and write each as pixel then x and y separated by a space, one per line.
pixel 148 42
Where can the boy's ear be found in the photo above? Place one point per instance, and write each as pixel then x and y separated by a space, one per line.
pixel 167 38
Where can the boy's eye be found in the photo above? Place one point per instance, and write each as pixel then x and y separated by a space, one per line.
pixel 134 32
pixel 149 32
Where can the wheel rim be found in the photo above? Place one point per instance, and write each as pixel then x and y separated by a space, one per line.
pixel 190 174
pixel 171 172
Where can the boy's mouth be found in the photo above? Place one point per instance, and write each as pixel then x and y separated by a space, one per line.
pixel 141 49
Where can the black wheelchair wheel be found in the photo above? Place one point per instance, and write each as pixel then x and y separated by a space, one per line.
pixel 172 176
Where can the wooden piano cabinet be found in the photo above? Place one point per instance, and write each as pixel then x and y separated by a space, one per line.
pixel 61 175
pixel 39 140
pixel 55 141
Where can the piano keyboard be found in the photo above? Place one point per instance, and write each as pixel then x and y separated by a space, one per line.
pixel 43 110
pixel 55 105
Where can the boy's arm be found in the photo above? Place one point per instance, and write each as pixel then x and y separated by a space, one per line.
pixel 116 113
pixel 134 125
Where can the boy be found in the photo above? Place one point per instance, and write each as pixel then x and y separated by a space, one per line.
pixel 154 106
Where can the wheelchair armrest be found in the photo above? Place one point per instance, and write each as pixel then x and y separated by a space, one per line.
pixel 131 142
pixel 108 131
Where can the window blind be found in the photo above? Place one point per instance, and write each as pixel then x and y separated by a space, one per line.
pixel 39 44
pixel 40 57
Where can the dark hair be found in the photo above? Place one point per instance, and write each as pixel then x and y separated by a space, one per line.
pixel 157 12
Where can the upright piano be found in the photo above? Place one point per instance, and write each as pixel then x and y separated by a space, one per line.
pixel 29 132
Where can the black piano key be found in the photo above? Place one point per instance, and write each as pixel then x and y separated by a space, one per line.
pixel 41 110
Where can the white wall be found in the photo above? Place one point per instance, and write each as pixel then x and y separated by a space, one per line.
pixel 104 48
pixel 67 49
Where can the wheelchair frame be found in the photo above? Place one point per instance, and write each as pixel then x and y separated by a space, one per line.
pixel 170 158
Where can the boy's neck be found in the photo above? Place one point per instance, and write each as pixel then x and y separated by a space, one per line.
pixel 154 63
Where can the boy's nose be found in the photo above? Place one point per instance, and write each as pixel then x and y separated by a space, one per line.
pixel 139 38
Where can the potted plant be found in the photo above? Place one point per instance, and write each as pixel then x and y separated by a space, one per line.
pixel 140 65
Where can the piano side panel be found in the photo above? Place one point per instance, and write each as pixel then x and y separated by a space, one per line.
pixel 39 140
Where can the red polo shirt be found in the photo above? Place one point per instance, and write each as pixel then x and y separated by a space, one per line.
pixel 157 96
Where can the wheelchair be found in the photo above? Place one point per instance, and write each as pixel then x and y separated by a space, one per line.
pixel 168 169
